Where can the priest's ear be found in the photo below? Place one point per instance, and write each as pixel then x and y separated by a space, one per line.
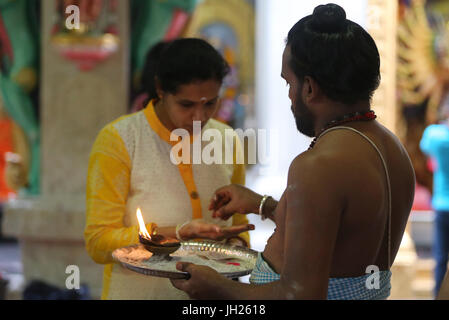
pixel 311 91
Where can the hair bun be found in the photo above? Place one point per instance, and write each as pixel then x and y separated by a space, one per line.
pixel 329 18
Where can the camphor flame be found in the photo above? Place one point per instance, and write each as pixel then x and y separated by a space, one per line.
pixel 143 229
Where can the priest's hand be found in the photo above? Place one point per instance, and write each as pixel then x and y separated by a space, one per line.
pixel 232 199
pixel 204 282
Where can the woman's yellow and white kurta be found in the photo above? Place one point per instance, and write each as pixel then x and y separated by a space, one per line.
pixel 130 167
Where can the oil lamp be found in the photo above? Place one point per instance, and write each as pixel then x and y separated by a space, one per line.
pixel 160 246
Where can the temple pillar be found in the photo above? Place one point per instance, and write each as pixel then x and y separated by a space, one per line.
pixel 382 24
pixel 75 105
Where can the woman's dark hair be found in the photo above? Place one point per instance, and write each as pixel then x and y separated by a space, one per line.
pixel 337 53
pixel 148 83
pixel 184 61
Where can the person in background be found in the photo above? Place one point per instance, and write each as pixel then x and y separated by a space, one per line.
pixel 130 167
pixel 435 144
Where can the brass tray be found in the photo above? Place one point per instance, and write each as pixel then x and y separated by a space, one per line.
pixel 137 259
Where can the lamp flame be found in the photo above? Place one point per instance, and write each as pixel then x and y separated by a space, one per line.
pixel 142 228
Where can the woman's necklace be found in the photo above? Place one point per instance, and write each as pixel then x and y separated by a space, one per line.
pixel 355 116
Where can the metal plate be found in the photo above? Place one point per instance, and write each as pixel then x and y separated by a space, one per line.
pixel 135 258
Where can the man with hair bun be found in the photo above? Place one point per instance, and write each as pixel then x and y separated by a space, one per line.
pixel 340 221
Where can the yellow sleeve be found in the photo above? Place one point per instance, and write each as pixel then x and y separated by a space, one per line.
pixel 107 190
pixel 238 177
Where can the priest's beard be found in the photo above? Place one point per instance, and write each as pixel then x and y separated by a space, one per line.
pixel 305 120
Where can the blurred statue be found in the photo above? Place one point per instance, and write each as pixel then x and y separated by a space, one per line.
pixel 229 27
pixel 89 10
pixel 423 76
pixel 19 47
pixel 423 65
pixel 88 35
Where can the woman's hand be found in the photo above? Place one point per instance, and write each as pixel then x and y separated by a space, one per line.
pixel 204 282
pixel 233 199
pixel 237 241
pixel 206 230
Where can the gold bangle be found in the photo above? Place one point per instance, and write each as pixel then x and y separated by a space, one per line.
pixel 262 203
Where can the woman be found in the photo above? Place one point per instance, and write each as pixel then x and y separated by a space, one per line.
pixel 130 167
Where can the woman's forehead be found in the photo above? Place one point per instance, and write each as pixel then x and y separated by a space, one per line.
pixel 199 91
